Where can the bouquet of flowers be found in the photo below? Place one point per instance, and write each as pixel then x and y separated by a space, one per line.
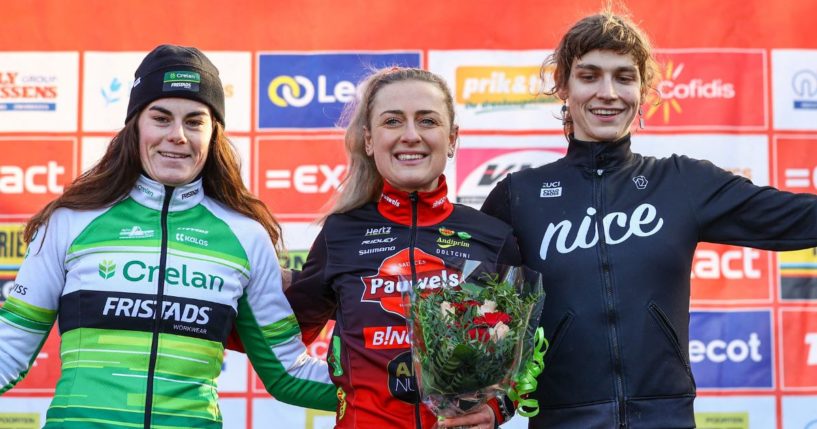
pixel 476 339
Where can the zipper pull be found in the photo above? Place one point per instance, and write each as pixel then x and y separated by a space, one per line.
pixel 599 172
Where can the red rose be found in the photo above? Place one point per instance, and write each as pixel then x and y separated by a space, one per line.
pixel 462 307
pixel 491 319
pixel 480 333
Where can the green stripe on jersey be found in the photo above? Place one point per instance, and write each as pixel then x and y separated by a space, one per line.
pixel 23 315
pixel 116 362
pixel 133 226
pixel 288 388
pixel 82 417
pixel 282 330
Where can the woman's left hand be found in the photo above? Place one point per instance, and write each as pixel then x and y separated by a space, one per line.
pixel 482 418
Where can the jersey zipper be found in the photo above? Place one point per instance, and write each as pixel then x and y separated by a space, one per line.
pixel 612 314
pixel 413 197
pixel 157 317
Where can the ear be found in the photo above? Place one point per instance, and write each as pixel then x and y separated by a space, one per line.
pixel 562 93
pixel 452 139
pixel 367 141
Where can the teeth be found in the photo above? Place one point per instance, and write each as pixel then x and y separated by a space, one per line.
pixel 409 156
pixel 173 155
pixel 604 111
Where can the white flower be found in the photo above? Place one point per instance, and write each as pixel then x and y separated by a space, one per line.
pixel 488 307
pixel 499 331
pixel 447 309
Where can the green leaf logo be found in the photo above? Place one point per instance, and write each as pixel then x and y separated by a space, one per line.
pixel 107 269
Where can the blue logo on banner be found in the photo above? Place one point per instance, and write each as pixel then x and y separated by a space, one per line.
pixel 310 90
pixel 804 83
pixel 731 349
pixel 112 92
pixel 28 107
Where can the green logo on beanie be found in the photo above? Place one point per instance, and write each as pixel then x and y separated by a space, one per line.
pixel 182 76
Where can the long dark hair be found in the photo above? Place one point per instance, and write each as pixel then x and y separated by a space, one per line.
pixel 112 178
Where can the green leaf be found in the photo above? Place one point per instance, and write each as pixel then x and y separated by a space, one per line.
pixel 471 288
pixel 464 352
pixel 107 269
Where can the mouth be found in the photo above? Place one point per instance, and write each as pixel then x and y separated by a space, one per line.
pixel 606 113
pixel 410 156
pixel 173 155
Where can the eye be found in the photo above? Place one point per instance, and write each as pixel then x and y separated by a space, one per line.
pixel 392 121
pixel 429 122
pixel 195 122
pixel 586 77
pixel 627 78
pixel 162 119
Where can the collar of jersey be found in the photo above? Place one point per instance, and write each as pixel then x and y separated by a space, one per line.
pixel 432 207
pixel 599 154
pixel 151 194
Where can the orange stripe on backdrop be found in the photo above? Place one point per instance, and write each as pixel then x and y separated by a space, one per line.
pixel 388 24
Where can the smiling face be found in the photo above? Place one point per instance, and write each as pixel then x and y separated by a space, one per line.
pixel 603 95
pixel 174 139
pixel 410 134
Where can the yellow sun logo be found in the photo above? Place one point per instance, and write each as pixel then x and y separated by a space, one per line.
pixel 657 101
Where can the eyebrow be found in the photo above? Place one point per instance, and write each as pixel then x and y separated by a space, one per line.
pixel 400 112
pixel 594 67
pixel 162 110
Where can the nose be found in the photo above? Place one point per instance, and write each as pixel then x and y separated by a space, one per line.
pixel 176 134
pixel 410 134
pixel 607 89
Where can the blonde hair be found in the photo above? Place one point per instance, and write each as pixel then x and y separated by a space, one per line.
pixel 363 183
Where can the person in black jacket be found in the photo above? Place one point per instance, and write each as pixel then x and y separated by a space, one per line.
pixel 613 234
pixel 392 221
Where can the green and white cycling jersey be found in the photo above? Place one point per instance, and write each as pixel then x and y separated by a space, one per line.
pixel 147 291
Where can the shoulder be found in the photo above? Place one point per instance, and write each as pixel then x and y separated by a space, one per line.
pixel 480 220
pixel 71 221
pixel 686 164
pixel 366 212
pixel 535 174
pixel 251 235
pixel 231 217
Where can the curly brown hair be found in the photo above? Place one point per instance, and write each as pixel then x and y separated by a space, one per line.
pixel 605 31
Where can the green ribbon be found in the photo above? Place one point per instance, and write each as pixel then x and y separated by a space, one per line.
pixel 526 380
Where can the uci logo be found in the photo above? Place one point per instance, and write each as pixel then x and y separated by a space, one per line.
pixel 299 91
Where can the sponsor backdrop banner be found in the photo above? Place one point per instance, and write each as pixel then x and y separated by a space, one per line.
pixel 745 100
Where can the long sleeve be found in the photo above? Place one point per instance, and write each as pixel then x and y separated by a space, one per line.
pixel 271 337
pixel 311 296
pixel 729 209
pixel 497 204
pixel 30 310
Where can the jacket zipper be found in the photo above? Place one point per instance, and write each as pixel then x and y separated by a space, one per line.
pixel 157 317
pixel 413 197
pixel 611 308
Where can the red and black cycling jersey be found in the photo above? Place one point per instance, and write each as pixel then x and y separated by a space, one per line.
pixel 355 271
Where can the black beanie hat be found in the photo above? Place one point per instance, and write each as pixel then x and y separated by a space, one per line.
pixel 176 71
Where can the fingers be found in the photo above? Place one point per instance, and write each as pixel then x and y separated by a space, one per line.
pixel 482 418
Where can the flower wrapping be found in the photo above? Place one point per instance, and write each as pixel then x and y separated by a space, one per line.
pixel 473 340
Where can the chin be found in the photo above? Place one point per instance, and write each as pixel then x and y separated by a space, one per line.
pixel 173 181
